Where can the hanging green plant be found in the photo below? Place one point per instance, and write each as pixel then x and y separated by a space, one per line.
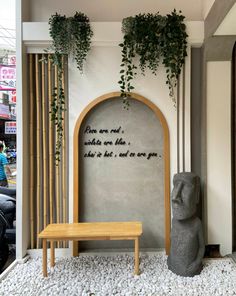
pixel 58 103
pixel 154 39
pixel 70 37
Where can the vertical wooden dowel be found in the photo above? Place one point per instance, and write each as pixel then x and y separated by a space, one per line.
pixel 64 156
pixel 38 146
pixel 183 118
pixel 57 168
pixel 178 131
pixel 45 273
pixel 136 256
pixel 45 177
pixel 51 144
pixel 31 84
pixel 52 254
pixel 75 248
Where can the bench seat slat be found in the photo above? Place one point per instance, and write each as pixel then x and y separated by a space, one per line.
pixel 94 230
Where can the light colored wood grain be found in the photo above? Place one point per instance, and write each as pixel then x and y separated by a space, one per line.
pixel 76 152
pixel 51 144
pixel 31 125
pixel 75 248
pixel 45 258
pixel 78 238
pixel 57 168
pixel 93 230
pixel 52 253
pixel 64 193
pixel 45 161
pixel 136 256
pixel 38 130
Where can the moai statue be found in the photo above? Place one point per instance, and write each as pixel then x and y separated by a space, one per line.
pixel 187 243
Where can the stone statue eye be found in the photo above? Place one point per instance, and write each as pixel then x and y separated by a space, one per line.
pixel 177 183
pixel 188 188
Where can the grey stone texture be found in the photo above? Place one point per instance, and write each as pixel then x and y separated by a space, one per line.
pixel 128 187
pixel 187 243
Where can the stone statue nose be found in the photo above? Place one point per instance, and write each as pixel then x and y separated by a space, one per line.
pixel 176 197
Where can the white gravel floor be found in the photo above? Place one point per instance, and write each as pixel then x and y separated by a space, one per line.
pixel 113 275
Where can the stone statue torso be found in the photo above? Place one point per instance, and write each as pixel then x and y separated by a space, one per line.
pixel 184 245
pixel 187 243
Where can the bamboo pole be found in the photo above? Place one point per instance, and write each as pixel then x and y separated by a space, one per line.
pixel 64 157
pixel 57 168
pixel 45 177
pixel 51 144
pixel 31 151
pixel 38 146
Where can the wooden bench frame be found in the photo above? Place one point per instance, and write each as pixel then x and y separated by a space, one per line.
pixel 90 231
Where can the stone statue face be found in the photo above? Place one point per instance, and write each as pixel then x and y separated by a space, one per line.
pixel 185 195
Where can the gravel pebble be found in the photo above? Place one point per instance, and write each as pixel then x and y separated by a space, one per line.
pixel 113 275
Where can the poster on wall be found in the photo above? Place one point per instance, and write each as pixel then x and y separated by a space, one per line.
pixel 11 59
pixel 10 128
pixel 4 111
pixel 7 77
pixel 12 97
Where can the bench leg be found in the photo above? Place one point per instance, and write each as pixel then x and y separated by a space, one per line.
pixel 52 255
pixel 75 252
pixel 136 256
pixel 45 257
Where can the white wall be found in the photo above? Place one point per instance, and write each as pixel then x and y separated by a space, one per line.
pixel 219 200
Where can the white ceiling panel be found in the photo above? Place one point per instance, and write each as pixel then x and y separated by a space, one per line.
pixel 114 10
pixel 228 25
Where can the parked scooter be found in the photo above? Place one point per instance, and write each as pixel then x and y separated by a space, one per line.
pixel 7 222
pixel 11 155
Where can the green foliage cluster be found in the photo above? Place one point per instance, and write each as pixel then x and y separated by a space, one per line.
pixel 71 37
pixel 155 39
pixel 58 104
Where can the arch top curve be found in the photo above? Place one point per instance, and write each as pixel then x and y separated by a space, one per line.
pixel 111 95
pixel 76 149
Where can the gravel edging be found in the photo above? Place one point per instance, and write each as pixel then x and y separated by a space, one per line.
pixel 113 275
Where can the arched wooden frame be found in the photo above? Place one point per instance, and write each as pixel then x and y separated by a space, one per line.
pixel 76 151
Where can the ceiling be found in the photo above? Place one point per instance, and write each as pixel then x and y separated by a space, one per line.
pixel 228 27
pixel 114 10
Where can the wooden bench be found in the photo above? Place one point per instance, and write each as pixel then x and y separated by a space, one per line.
pixel 90 231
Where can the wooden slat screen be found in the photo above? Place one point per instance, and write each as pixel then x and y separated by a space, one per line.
pixel 48 180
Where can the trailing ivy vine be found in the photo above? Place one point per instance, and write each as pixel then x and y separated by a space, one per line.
pixel 70 37
pixel 154 39
pixel 58 104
